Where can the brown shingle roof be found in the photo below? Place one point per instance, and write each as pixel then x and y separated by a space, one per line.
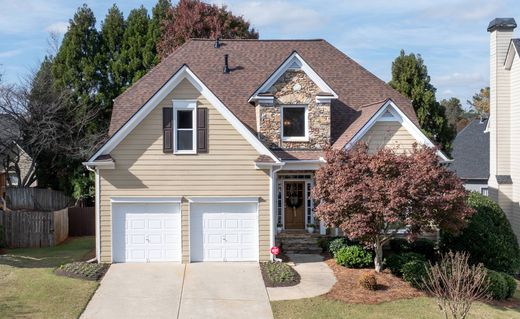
pixel 251 63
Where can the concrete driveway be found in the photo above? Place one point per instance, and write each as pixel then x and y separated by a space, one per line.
pixel 169 290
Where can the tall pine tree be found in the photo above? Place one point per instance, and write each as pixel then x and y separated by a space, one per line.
pixel 113 75
pixel 154 32
pixel 133 46
pixel 74 66
pixel 410 77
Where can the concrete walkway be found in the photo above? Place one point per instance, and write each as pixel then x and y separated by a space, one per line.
pixel 316 279
pixel 171 290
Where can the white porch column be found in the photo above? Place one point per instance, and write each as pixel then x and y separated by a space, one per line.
pixel 323 229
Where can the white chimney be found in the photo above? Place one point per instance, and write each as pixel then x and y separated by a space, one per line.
pixel 501 33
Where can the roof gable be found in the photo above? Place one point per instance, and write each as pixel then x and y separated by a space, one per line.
pixel 293 62
pixel 183 73
pixel 388 111
pixel 471 151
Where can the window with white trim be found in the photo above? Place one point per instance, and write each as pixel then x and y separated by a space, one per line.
pixel 295 126
pixel 185 123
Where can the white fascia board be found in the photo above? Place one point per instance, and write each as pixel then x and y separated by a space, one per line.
pixel 101 165
pixel 224 200
pixel 510 56
pixel 152 200
pixel 183 73
pixel 405 121
pixel 311 165
pixel 284 67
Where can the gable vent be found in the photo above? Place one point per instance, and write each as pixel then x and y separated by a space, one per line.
pixel 295 65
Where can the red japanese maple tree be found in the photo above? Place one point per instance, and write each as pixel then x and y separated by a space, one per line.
pixel 370 196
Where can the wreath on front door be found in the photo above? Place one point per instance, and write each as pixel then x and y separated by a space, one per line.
pixel 294 200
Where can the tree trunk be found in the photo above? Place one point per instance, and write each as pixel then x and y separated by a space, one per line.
pixel 378 259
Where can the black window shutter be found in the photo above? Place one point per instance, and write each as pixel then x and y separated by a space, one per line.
pixel 202 130
pixel 167 129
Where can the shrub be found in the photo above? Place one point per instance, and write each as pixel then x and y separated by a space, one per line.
pixel 497 287
pixel 396 262
pixel 353 257
pixel 511 285
pixel 399 245
pixel 455 284
pixel 414 272
pixel 488 237
pixel 336 244
pixel 368 280
pixel 421 246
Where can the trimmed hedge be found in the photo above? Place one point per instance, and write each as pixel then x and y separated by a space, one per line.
pixel 488 237
pixel 396 262
pixel 497 285
pixel 336 244
pixel 414 273
pixel 353 257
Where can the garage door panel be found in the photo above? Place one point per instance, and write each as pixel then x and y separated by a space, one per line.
pixel 146 232
pixel 224 232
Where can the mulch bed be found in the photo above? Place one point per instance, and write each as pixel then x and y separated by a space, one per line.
pixel 348 290
pixel 83 270
pixel 270 283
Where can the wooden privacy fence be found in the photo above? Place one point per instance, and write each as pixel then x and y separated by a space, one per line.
pixel 24 229
pixel 39 199
pixel 82 221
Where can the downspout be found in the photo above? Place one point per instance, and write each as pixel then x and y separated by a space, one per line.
pixel 272 188
pixel 97 210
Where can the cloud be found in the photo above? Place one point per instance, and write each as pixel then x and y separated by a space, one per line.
pixel 9 53
pixel 283 16
pixel 58 27
pixel 459 79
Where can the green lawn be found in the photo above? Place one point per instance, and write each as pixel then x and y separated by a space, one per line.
pixel 418 308
pixel 29 288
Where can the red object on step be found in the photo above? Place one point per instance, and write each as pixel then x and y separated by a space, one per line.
pixel 275 250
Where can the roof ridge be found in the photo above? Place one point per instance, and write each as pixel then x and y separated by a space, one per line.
pixel 259 40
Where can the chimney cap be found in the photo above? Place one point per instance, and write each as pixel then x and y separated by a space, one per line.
pixel 501 24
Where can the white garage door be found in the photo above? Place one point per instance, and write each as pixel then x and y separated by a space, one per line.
pixel 146 232
pixel 224 232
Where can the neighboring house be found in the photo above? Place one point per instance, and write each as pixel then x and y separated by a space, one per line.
pixel 218 144
pixel 504 120
pixel 471 156
pixel 12 156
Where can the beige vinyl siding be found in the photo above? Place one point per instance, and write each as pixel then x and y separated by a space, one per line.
pixel 142 169
pixel 388 134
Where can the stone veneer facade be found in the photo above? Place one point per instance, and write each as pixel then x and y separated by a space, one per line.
pixel 295 87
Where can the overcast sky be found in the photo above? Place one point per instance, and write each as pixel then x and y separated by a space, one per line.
pixel 450 35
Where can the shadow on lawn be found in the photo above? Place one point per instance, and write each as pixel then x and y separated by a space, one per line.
pixel 71 250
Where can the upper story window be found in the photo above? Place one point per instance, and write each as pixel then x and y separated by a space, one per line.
pixel 295 125
pixel 185 123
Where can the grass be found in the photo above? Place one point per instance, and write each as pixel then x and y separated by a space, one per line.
pixel 30 289
pixel 417 308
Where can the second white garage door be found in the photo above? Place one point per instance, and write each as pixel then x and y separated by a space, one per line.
pixel 224 232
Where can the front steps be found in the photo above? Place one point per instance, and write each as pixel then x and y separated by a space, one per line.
pixel 298 242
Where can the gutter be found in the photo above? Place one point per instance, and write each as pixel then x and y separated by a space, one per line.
pixel 97 211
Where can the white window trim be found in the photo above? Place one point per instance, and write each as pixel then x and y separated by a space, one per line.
pixel 295 138
pixel 185 105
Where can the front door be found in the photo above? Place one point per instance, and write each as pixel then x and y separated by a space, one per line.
pixel 294 205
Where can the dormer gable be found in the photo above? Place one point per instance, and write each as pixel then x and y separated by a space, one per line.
pixel 293 107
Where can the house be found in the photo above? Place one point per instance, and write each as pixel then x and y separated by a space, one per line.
pixel 218 144
pixel 504 120
pixel 15 163
pixel 471 156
